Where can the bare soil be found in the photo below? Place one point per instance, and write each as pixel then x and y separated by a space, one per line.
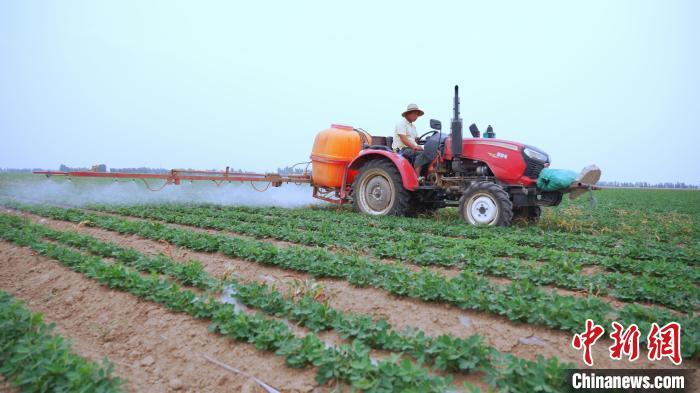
pixel 153 349
pixel 522 340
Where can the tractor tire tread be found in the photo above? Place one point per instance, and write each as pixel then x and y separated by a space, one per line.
pixel 402 206
pixel 505 218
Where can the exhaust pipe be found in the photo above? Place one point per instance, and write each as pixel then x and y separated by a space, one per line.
pixel 456 127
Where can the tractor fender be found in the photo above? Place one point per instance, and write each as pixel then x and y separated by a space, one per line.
pixel 408 174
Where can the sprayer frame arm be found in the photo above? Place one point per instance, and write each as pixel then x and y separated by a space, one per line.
pixel 175 176
pixel 578 185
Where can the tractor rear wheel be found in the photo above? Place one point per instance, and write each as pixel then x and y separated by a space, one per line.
pixel 378 190
pixel 486 203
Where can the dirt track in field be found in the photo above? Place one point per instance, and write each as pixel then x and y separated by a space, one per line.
pixel 153 349
pixel 522 340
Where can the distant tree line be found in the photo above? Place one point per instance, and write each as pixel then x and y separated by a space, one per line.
pixel 643 184
pixel 288 170
pixel 20 170
pixel 139 170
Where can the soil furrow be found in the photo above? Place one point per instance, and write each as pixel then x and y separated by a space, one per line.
pixel 520 339
pixel 153 349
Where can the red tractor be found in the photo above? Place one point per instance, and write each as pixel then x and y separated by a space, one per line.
pixel 490 180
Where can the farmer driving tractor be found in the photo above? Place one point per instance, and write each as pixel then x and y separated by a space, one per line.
pixel 405 138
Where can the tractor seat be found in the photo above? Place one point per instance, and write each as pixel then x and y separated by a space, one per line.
pixel 382 143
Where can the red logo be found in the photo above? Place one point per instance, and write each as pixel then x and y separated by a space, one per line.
pixel 586 340
pixel 665 342
pixel 661 342
pixel 626 343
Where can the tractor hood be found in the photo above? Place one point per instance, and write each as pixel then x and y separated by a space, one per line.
pixel 511 162
pixel 469 144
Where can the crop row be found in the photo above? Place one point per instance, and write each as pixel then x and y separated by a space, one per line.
pixel 518 301
pixel 497 246
pixel 349 363
pixel 658 215
pixel 445 353
pixel 560 270
pixel 629 246
pixel 671 262
pixel 34 359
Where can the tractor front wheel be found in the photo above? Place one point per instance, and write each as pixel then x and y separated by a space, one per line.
pixel 378 190
pixel 486 203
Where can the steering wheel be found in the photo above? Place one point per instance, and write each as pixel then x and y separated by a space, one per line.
pixel 423 138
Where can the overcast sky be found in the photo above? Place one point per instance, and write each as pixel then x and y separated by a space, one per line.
pixel 206 84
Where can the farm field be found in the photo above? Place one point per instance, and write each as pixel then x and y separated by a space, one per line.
pixel 215 297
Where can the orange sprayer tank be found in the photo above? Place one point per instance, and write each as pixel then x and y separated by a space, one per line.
pixel 333 150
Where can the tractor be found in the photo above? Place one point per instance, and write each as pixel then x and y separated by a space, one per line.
pixel 491 181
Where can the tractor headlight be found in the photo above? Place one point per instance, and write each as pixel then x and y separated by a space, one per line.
pixel 536 155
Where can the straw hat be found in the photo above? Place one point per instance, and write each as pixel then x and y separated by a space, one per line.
pixel 412 108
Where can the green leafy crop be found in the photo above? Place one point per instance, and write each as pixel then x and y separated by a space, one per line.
pixel 34 359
